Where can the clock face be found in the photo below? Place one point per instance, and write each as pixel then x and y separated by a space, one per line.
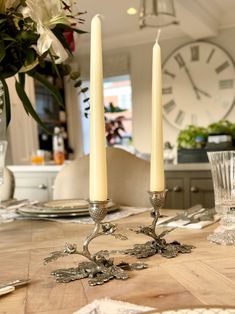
pixel 198 85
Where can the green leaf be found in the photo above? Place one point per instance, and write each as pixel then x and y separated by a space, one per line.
pixel 62 39
pixel 78 83
pixel 84 90
pixel 30 56
pixel 3 21
pixel 74 76
pixel 2 51
pixel 40 78
pixel 28 106
pixel 7 102
pixel 22 79
pixel 64 27
pixel 7 37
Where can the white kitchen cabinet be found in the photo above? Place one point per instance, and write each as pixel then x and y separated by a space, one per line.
pixel 34 182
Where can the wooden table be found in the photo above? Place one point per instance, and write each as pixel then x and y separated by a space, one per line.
pixel 204 277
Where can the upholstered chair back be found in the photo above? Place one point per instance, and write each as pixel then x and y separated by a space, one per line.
pixel 8 187
pixel 128 179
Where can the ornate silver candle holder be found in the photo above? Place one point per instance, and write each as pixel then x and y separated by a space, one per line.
pixel 159 244
pixel 100 268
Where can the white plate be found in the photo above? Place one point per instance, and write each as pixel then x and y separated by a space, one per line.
pixel 69 203
pixel 64 210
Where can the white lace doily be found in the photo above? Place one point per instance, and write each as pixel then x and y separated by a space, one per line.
pixel 108 306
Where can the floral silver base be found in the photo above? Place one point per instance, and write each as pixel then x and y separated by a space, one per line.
pixel 159 244
pixel 100 268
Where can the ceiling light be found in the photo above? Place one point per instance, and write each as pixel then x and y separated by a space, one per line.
pixel 131 11
pixel 157 13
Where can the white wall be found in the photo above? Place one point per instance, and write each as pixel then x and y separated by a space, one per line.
pixel 22 131
pixel 140 69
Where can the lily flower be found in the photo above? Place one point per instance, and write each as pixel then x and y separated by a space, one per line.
pixel 48 41
pixel 47 14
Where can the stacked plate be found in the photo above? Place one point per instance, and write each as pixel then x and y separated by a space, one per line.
pixel 60 208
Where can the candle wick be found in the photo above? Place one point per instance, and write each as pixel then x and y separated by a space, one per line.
pixel 158 34
pixel 101 16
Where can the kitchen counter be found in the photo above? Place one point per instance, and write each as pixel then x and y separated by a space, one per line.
pixel 56 168
pixel 188 167
pixel 35 168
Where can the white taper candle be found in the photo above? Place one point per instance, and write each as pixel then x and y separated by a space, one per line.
pixel 98 166
pixel 157 180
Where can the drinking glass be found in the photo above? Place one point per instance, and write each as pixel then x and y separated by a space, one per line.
pixel 3 212
pixel 223 175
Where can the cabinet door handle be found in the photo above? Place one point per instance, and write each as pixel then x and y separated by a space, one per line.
pixel 177 188
pixel 194 189
pixel 42 186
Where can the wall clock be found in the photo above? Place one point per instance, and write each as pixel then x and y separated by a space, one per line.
pixel 198 84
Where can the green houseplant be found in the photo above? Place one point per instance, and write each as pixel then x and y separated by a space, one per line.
pixel 192 136
pixel 220 127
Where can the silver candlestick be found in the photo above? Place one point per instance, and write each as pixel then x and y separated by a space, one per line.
pixel 159 244
pixel 100 268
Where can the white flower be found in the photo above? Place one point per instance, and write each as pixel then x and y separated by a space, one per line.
pixel 47 14
pixel 48 40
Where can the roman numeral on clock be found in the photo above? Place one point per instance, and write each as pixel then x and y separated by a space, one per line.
pixel 167 90
pixel 224 84
pixel 222 67
pixel 179 59
pixel 169 106
pixel 180 117
pixel 194 53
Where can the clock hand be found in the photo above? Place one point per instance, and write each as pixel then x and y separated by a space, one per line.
pixel 192 82
pixel 203 92
pixel 196 89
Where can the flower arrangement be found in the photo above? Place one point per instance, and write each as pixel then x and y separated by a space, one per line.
pixel 114 127
pixel 31 33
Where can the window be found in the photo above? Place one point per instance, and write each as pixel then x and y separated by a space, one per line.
pixel 118 112
pixel 50 112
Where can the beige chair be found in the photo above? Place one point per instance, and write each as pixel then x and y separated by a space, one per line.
pixel 8 187
pixel 128 179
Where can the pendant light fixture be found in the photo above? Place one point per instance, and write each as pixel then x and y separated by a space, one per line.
pixel 157 13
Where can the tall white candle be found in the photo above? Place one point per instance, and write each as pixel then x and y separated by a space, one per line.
pixel 98 167
pixel 157 180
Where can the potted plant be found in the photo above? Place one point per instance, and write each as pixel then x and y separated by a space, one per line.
pixel 191 142
pixel 114 127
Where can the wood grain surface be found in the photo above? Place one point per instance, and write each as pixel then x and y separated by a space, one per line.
pixel 204 277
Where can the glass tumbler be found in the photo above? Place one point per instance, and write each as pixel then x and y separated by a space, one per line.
pixel 4 215
pixel 222 165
